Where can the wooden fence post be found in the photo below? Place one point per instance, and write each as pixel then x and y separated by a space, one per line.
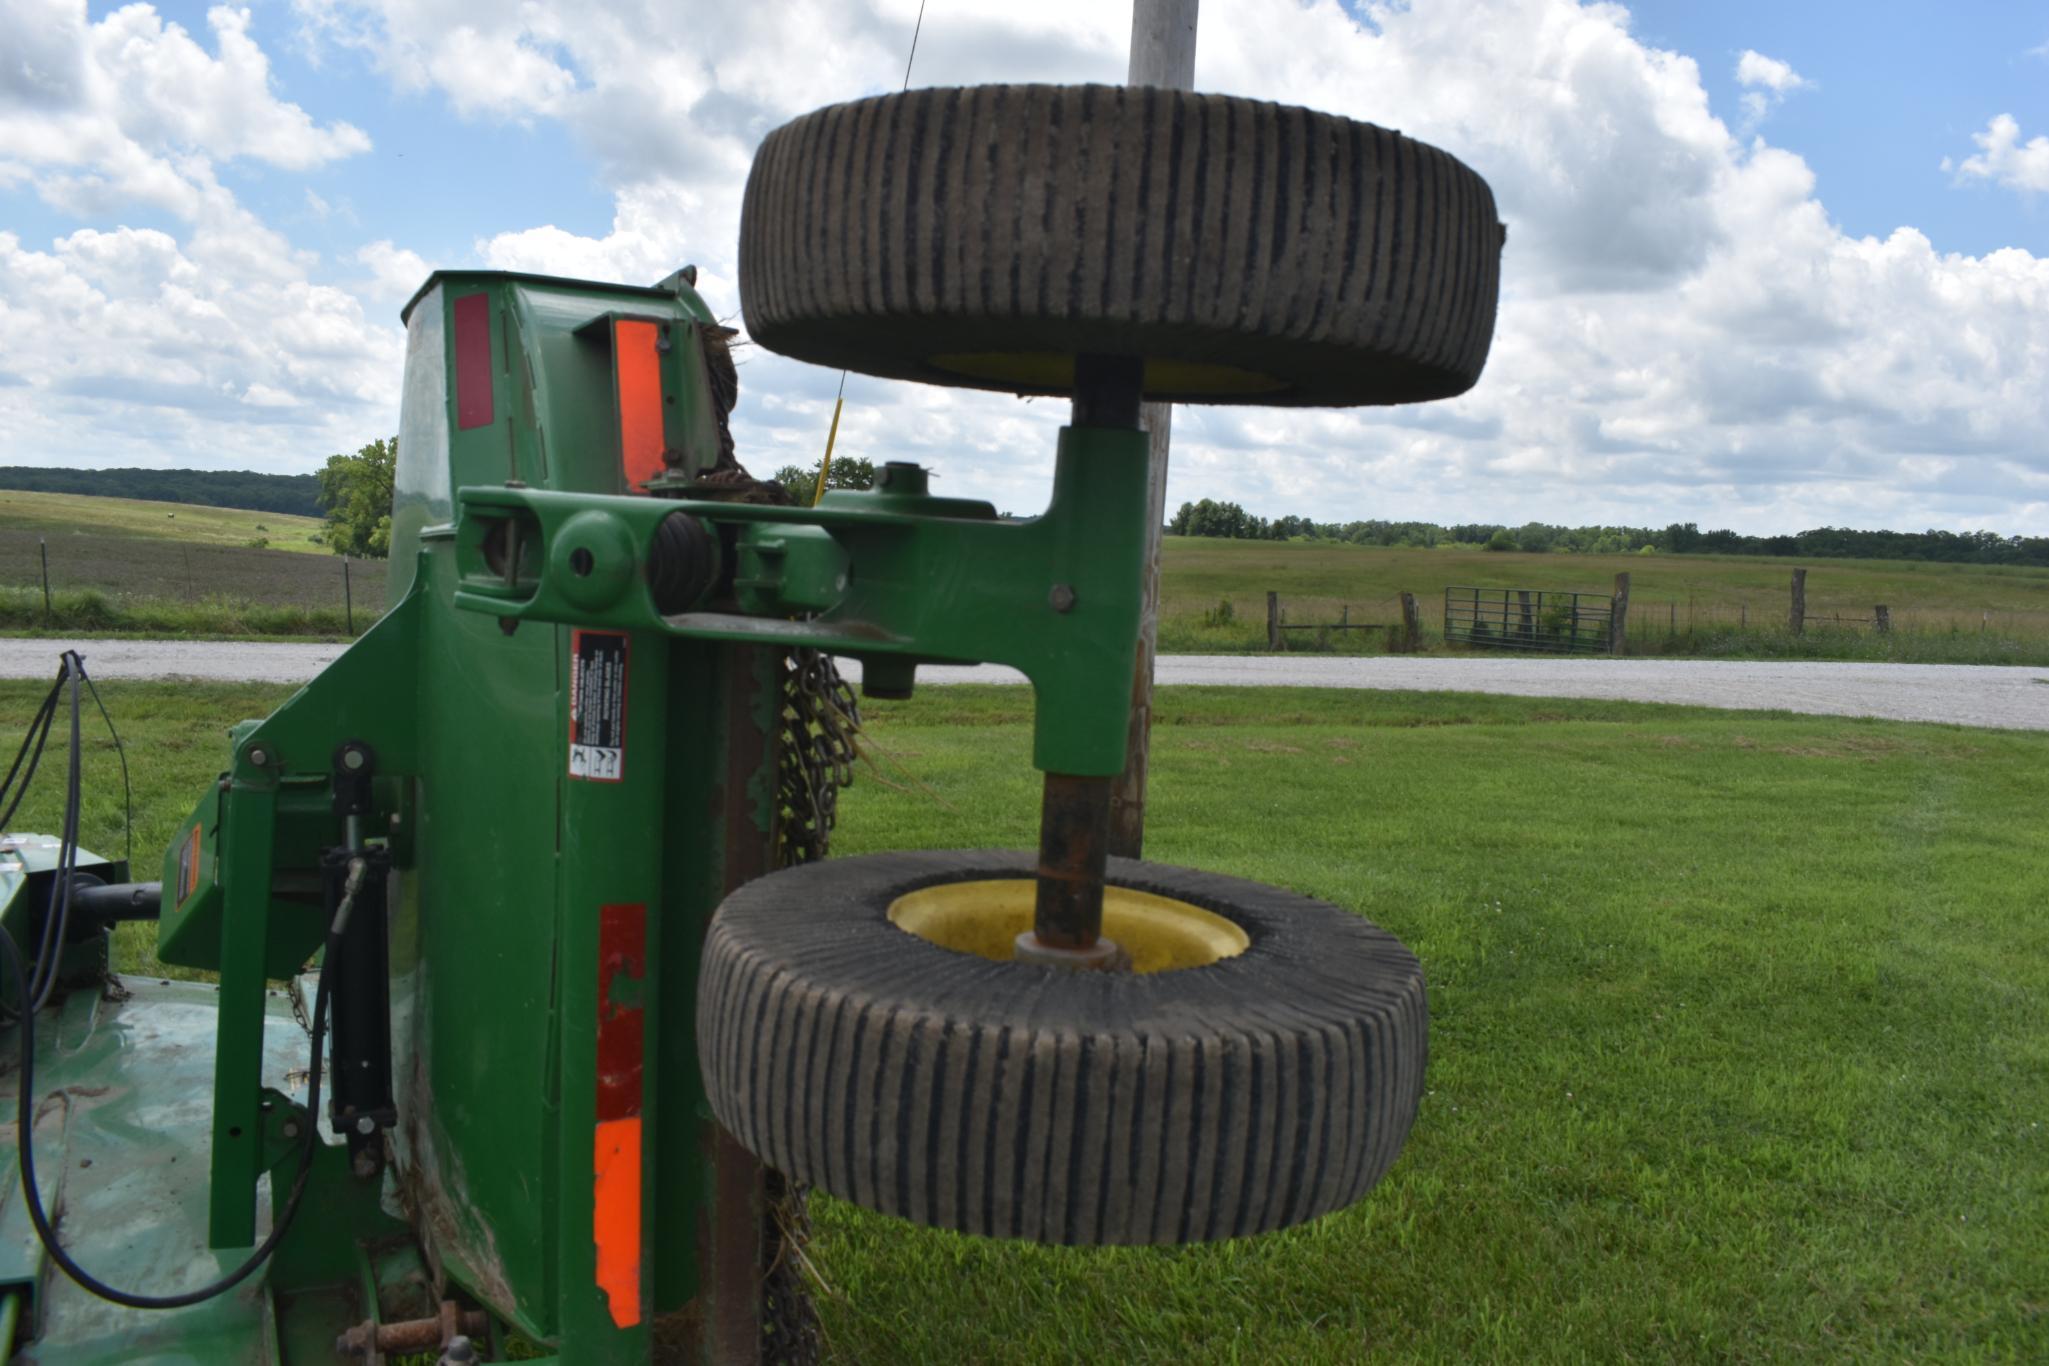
pixel 43 548
pixel 1412 630
pixel 1618 617
pixel 1526 623
pixel 1796 620
pixel 1273 621
pixel 348 596
pixel 1882 619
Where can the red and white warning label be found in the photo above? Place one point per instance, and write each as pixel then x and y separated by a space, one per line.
pixel 597 706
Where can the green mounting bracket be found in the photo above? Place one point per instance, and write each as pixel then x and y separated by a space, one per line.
pixel 892 576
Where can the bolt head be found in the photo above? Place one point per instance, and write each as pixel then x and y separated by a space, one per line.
pixel 366 1125
pixel 290 1128
pixel 257 755
pixel 1062 598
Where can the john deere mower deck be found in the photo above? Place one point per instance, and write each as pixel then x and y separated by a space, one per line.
pixel 588 1044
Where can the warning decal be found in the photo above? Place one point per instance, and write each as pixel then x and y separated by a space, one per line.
pixel 597 706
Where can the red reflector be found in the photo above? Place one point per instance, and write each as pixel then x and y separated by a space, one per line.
pixel 637 360
pixel 473 361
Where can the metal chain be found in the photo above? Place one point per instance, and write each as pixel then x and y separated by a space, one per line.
pixel 821 720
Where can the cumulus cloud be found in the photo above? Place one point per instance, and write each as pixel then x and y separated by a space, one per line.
pixel 137 346
pixel 2004 159
pixel 1684 331
pixel 1767 80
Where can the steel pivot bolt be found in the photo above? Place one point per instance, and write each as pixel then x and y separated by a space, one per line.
pixel 257 755
pixel 1061 599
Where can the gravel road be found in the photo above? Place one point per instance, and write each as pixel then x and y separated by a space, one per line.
pixel 1972 695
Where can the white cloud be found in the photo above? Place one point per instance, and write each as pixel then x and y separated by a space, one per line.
pixel 129 345
pixel 1769 81
pixel 2005 160
pixel 1684 332
pixel 1754 68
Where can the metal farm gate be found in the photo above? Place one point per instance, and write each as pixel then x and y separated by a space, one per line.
pixel 1528 619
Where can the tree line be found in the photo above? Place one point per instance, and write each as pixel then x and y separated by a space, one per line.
pixel 298 494
pixel 1230 521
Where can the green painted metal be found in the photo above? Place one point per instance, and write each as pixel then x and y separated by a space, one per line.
pixel 882 574
pixel 124 1122
pixel 517 857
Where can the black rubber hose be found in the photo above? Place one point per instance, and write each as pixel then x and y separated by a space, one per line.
pixel 38 732
pixel 25 1129
pixel 57 916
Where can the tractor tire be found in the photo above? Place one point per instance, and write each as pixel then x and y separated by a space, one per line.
pixel 1018 1101
pixel 1247 252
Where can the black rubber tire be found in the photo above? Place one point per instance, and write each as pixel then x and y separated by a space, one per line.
pixel 1064 1107
pixel 1337 262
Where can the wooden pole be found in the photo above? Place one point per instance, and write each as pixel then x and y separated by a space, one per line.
pixel 1162 54
pixel 1618 617
pixel 1882 619
pixel 348 596
pixel 43 548
pixel 1796 620
pixel 1412 630
pixel 1273 620
pixel 1525 623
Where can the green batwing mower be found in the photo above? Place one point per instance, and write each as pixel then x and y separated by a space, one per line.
pixel 535 1009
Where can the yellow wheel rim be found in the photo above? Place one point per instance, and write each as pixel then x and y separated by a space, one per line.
pixel 985 918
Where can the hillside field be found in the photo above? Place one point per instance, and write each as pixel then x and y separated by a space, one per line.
pixel 134 567
pixel 128 565
pixel 1692 600
pixel 57 515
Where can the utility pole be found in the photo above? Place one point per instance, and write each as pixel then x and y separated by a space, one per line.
pixel 1162 54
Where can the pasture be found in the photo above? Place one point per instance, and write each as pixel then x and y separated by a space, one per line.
pixel 1737 1045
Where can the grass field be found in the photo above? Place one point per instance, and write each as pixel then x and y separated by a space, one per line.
pixel 65 514
pixel 1684 604
pixel 142 568
pixel 138 568
pixel 1737 1045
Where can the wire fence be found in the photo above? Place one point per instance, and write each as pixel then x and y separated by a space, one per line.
pixel 131 567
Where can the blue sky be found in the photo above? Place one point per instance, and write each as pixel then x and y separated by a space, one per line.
pixel 1770 266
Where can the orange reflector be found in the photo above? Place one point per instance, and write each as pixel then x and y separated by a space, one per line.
pixel 638 364
pixel 615 1217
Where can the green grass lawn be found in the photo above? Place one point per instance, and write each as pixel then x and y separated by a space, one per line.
pixel 1738 1045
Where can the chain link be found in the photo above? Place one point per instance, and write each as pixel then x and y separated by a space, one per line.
pixel 821 720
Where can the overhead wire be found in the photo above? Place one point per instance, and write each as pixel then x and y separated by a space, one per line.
pixel 839 399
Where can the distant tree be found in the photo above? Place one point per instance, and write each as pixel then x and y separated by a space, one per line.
pixel 847 472
pixel 356 492
pixel 1501 540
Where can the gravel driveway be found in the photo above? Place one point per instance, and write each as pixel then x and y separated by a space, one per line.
pixel 1973 695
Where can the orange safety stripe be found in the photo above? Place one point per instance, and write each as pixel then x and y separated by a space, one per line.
pixel 615 1217
pixel 638 364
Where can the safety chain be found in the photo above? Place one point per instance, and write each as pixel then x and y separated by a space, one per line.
pixel 820 722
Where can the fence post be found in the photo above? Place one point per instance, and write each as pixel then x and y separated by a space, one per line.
pixel 1672 618
pixel 1882 619
pixel 348 596
pixel 1412 631
pixel 1796 621
pixel 1618 617
pixel 1273 620
pixel 43 548
pixel 1526 623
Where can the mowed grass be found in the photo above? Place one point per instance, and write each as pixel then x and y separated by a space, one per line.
pixel 1738 1045
pixel 1719 604
pixel 65 514
pixel 1737 1042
